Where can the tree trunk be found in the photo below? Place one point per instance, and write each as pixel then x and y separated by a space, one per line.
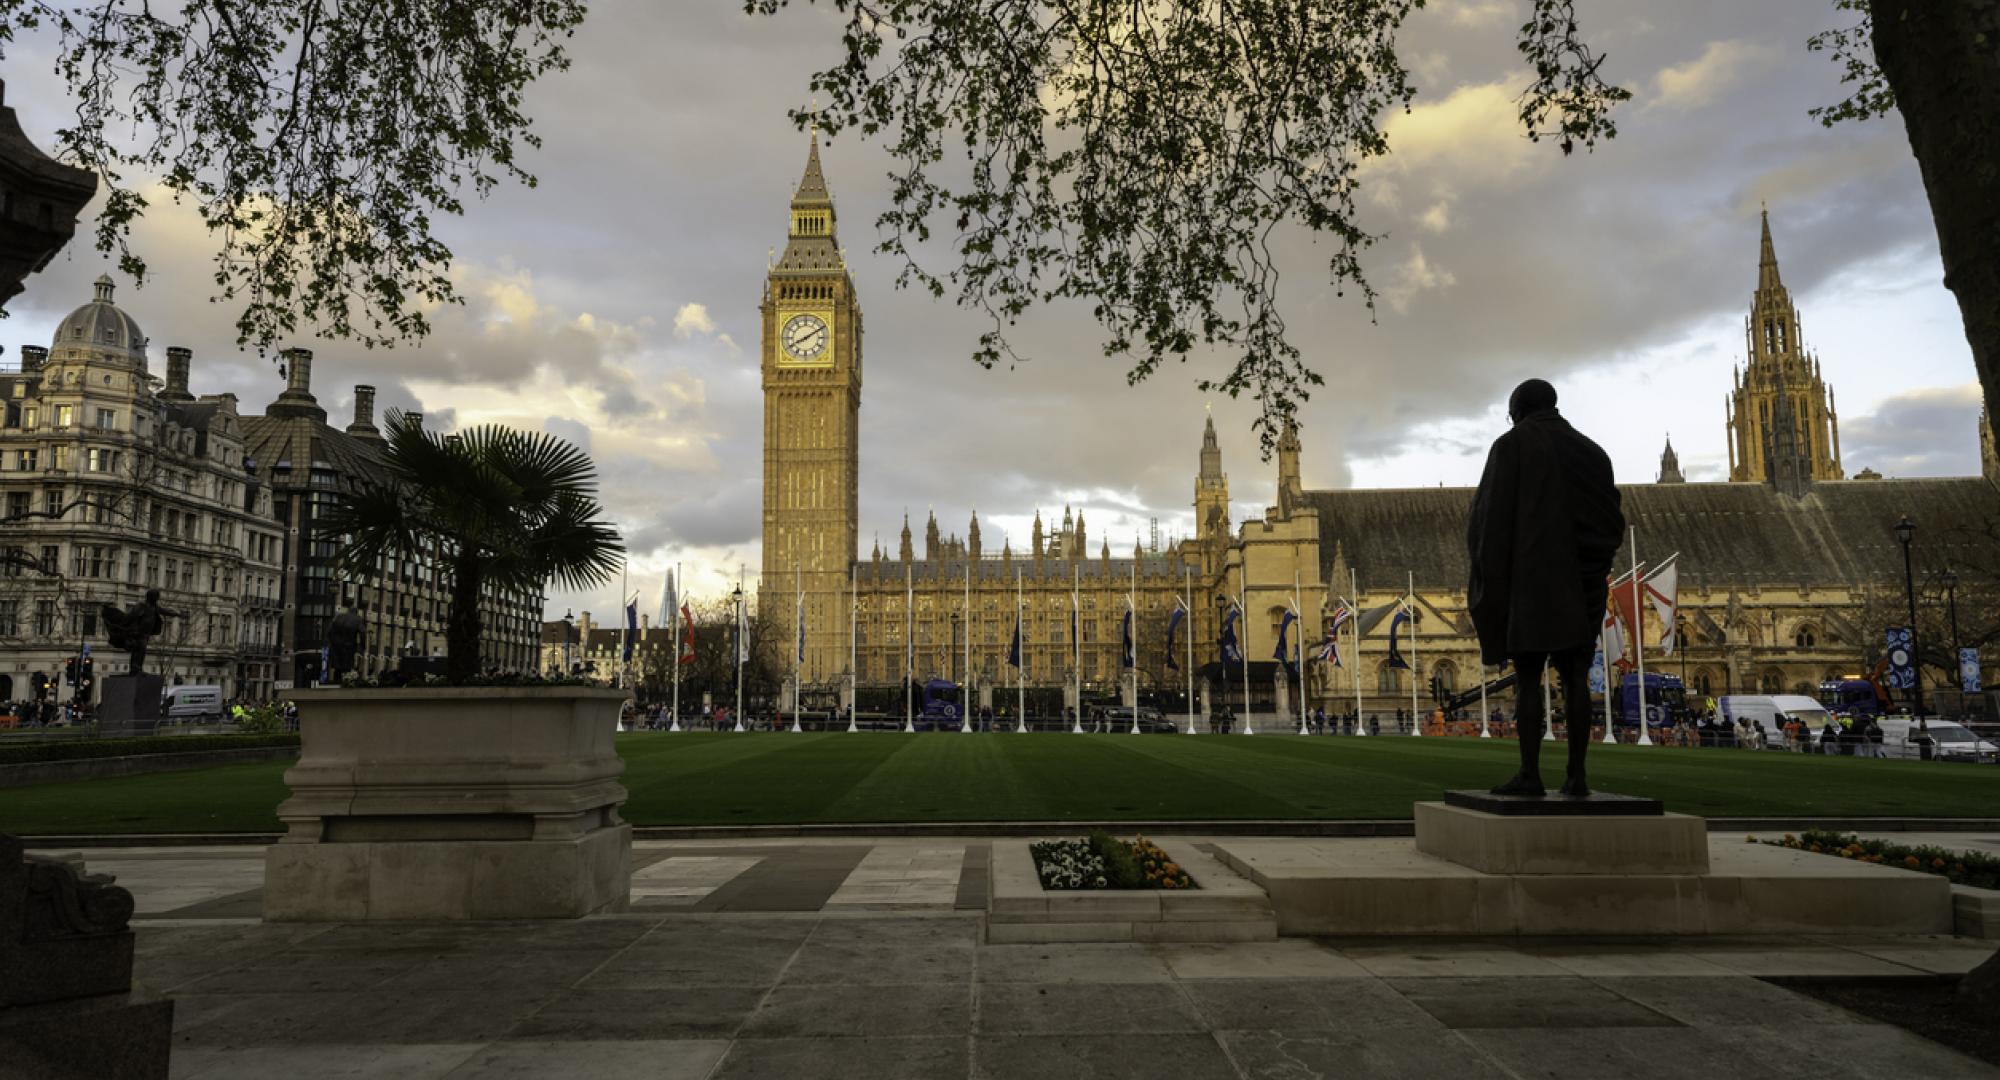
pixel 462 632
pixel 1943 63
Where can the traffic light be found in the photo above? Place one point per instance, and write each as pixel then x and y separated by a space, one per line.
pixel 89 675
pixel 69 671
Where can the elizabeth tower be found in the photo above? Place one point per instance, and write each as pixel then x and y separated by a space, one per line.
pixel 812 404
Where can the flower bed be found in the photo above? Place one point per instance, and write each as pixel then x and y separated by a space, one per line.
pixel 1105 862
pixel 1960 867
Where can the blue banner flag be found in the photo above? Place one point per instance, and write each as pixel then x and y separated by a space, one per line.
pixel 1968 670
pixel 1173 624
pixel 1283 653
pixel 1902 674
pixel 1396 653
pixel 1126 643
pixel 1231 653
pixel 1014 650
pixel 1597 683
pixel 631 626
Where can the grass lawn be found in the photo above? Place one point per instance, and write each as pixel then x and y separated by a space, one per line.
pixel 781 778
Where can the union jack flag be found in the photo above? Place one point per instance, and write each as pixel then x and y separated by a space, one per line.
pixel 1329 647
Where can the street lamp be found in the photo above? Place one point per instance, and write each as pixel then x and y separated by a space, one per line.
pixel 736 599
pixel 1906 530
pixel 569 636
pixel 1951 603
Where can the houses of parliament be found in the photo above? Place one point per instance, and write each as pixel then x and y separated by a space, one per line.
pixel 1789 570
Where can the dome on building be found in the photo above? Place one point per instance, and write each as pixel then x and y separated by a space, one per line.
pixel 99 329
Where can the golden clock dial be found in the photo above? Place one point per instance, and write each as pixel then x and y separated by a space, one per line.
pixel 805 337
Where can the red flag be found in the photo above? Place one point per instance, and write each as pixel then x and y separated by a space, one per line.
pixel 687 636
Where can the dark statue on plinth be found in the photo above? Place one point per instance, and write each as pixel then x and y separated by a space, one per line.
pixel 343 641
pixel 1545 525
pixel 130 629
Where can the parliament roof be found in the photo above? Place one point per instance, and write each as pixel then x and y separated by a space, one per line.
pixel 1727 534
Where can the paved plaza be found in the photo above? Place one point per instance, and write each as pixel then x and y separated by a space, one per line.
pixel 863 959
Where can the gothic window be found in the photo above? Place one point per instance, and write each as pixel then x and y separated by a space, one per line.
pixel 1388 680
pixel 1704 683
pixel 1772 681
pixel 1447 675
pixel 1769 338
pixel 1805 637
pixel 1781 336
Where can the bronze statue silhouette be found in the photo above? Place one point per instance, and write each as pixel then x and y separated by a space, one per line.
pixel 343 640
pixel 1545 525
pixel 130 629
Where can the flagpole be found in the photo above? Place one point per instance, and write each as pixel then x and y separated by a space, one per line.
pixel 739 647
pixel 1298 618
pixel 1639 631
pixel 799 642
pixel 1076 639
pixel 1243 650
pixel 853 653
pixel 1485 724
pixel 675 647
pixel 1354 582
pixel 965 687
pixel 1132 601
pixel 1020 662
pixel 909 647
pixel 1604 650
pixel 1416 723
pixel 1187 605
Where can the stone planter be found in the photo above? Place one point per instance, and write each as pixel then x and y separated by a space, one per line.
pixel 452 803
pixel 1224 908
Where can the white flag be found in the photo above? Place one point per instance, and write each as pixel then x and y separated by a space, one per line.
pixel 1662 590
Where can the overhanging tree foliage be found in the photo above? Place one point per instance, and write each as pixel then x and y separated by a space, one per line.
pixel 317 139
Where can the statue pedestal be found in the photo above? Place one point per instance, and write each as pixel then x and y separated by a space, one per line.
pixel 1564 841
pixel 131 705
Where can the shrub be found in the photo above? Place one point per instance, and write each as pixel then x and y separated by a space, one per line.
pixel 79 749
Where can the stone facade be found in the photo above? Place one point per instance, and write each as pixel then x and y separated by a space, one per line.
pixel 113 482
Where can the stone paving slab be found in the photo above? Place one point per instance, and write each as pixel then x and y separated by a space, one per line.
pixel 714 996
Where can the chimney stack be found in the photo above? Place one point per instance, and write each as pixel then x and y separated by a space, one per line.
pixel 297 400
pixel 299 373
pixel 33 357
pixel 179 360
pixel 363 426
pixel 416 419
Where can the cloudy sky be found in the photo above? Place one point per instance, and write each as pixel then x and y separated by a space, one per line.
pixel 615 304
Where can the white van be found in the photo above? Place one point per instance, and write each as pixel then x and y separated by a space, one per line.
pixel 1773 712
pixel 1949 741
pixel 191 703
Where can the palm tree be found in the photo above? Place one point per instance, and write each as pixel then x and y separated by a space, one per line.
pixel 502 507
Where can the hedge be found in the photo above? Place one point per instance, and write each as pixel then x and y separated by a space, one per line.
pixel 78 749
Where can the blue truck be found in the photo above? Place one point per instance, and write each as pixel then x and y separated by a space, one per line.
pixel 1666 700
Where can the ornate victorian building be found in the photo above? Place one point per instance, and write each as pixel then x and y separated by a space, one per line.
pixel 113 482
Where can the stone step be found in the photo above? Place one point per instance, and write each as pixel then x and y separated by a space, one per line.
pixel 1388 887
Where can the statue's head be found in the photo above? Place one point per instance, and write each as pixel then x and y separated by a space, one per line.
pixel 1531 396
pixel 152 596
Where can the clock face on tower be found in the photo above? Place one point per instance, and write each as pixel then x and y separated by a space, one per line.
pixel 805 337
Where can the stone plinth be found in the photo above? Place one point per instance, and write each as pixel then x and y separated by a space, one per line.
pixel 131 705
pixel 460 803
pixel 1595 804
pixel 1563 843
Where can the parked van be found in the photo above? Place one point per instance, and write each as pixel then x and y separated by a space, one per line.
pixel 1901 737
pixel 191 703
pixel 1773 712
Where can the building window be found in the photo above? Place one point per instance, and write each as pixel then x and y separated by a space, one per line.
pixel 107 419
pixel 1772 681
pixel 10 618
pixel 1388 680
pixel 27 460
pixel 64 414
pixel 45 618
pixel 1805 637
pixel 18 503
pixel 59 459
